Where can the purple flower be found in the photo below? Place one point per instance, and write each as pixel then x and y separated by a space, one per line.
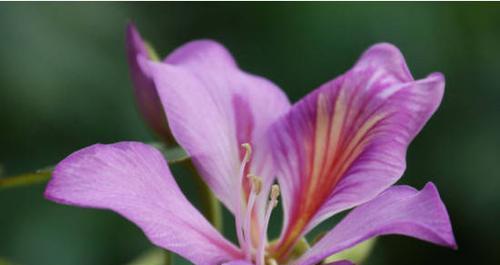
pixel 341 147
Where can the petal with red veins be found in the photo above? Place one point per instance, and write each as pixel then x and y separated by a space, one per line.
pixel 346 142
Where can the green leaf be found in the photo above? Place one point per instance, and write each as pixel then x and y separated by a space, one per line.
pixel 357 254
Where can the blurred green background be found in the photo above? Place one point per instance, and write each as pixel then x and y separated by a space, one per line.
pixel 64 84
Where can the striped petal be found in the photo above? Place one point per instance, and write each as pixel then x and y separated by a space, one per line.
pixel 213 107
pixel 346 142
pixel 238 262
pixel 133 179
pixel 400 210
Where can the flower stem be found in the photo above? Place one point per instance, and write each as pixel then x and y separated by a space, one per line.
pixel 168 258
pixel 210 206
pixel 26 179
pixel 175 155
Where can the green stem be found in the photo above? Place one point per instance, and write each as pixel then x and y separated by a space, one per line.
pixel 210 206
pixel 168 258
pixel 26 179
pixel 175 155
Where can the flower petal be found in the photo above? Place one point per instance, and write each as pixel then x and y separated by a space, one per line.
pixel 346 142
pixel 146 96
pixel 238 262
pixel 213 107
pixel 133 179
pixel 400 210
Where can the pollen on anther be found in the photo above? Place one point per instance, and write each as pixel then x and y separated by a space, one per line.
pixel 256 182
pixel 275 191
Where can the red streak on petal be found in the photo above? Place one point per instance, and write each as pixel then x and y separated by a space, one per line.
pixel 330 153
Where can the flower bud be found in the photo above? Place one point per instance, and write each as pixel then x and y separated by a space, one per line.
pixel 147 98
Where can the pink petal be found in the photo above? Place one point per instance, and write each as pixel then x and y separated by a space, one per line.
pixel 346 142
pixel 213 107
pixel 238 262
pixel 133 179
pixel 145 92
pixel 400 210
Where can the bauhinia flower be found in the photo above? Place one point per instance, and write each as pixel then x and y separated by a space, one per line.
pixel 341 147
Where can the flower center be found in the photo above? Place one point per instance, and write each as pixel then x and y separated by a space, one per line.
pixel 254 250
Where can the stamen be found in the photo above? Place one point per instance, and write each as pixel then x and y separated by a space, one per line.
pixel 256 188
pixel 239 194
pixel 273 202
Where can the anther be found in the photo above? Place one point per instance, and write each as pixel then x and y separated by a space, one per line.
pixel 256 183
pixel 248 151
pixel 275 193
pixel 271 261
